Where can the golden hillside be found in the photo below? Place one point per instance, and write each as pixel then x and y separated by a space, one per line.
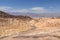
pixel 13 24
pixel 25 25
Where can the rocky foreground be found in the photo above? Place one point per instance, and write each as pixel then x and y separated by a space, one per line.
pixel 27 28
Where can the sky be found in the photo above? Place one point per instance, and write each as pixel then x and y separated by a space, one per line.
pixel 30 6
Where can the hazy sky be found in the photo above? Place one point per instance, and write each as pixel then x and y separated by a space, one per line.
pixel 32 6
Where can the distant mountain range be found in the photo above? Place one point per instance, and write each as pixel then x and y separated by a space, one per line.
pixel 17 14
pixel 37 14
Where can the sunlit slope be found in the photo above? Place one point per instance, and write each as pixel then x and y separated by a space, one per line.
pixel 13 26
pixel 16 26
pixel 47 23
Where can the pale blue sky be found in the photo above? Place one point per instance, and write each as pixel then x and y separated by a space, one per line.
pixel 33 6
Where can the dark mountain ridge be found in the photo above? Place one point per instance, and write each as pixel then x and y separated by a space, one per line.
pixel 35 15
pixel 7 15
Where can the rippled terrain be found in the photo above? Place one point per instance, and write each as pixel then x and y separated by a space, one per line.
pixel 26 28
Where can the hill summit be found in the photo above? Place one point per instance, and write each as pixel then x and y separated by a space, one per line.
pixel 7 15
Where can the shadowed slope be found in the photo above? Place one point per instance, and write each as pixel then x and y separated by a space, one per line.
pixel 6 15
